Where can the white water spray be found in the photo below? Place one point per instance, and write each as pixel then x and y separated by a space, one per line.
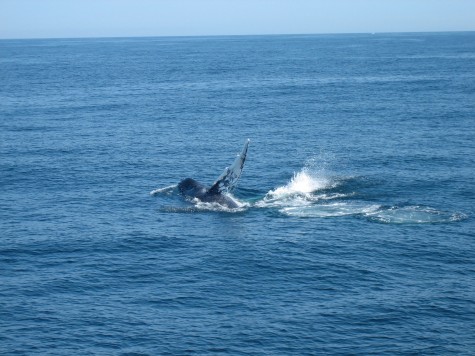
pixel 303 182
pixel 165 190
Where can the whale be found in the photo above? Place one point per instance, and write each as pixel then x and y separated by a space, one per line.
pixel 219 191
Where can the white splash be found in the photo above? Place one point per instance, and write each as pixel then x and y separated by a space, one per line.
pixel 165 190
pixel 303 182
pixel 213 206
pixel 301 190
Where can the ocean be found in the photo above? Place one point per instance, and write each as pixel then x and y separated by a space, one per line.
pixel 355 229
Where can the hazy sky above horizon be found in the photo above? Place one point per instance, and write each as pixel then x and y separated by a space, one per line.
pixel 124 18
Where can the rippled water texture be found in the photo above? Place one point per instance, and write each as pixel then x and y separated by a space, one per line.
pixel 354 232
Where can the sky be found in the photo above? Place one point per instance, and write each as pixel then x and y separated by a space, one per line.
pixel 129 18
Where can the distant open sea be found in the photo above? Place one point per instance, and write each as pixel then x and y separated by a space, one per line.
pixel 355 232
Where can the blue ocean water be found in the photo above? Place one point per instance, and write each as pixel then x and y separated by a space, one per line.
pixel 355 233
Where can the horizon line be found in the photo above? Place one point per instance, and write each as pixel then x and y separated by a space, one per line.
pixel 234 35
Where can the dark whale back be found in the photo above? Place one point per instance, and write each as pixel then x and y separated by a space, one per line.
pixel 190 188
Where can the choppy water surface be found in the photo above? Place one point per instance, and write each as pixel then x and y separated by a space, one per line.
pixel 354 233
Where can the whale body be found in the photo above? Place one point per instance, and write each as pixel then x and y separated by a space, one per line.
pixel 190 188
pixel 217 193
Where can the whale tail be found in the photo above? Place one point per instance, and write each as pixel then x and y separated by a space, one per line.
pixel 227 181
